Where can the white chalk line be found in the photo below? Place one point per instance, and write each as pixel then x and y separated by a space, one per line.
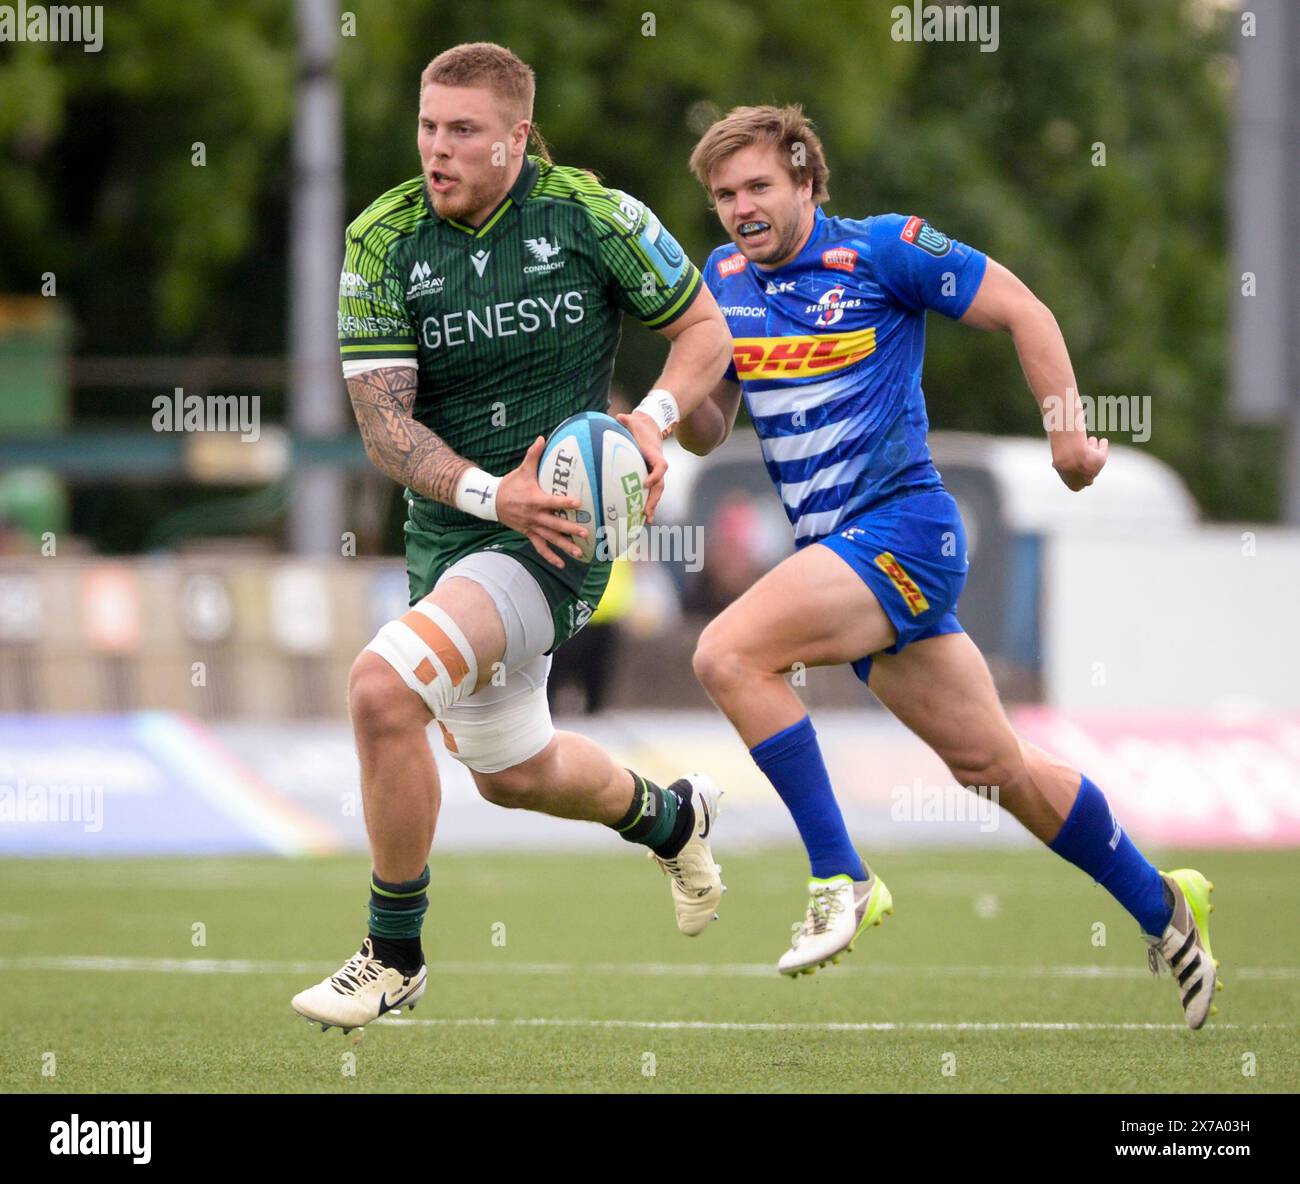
pixel 130 965
pixel 725 1026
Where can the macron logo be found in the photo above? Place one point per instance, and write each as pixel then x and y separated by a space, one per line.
pixel 102 1138
pixel 480 260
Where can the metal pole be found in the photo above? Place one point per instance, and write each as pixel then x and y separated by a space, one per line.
pixel 1265 230
pixel 317 403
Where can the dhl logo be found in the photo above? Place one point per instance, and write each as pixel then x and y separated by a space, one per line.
pixel 906 586
pixel 798 357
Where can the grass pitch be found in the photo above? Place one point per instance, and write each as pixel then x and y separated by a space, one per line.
pixel 566 973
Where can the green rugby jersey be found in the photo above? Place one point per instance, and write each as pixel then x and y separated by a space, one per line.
pixel 513 326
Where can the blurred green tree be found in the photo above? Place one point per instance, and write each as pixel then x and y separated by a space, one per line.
pixel 1000 149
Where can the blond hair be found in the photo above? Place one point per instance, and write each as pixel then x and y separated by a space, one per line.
pixel 787 128
pixel 494 68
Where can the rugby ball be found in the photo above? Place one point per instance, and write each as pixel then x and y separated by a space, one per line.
pixel 593 457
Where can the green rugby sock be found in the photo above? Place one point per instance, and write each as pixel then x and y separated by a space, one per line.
pixel 396 918
pixel 660 819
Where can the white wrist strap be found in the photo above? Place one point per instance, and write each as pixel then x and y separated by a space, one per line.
pixel 476 493
pixel 661 406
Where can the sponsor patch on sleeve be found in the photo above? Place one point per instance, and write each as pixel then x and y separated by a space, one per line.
pixel 662 250
pixel 921 234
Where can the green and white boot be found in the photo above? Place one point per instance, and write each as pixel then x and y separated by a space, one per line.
pixel 1185 945
pixel 839 909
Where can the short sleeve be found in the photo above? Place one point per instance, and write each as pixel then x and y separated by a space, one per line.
pixel 922 267
pixel 374 325
pixel 649 273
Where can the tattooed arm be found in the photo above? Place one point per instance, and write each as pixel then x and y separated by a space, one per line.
pixel 395 442
pixel 411 454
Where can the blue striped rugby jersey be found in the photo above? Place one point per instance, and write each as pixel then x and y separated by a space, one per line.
pixel 828 352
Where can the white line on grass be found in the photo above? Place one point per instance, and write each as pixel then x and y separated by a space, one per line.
pixel 96 962
pixel 722 1026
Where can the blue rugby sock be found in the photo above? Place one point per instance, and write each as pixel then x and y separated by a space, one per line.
pixel 1092 839
pixel 792 762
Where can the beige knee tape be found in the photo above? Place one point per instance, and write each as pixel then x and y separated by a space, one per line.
pixel 434 658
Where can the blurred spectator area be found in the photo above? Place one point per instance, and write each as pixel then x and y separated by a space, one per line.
pixel 229 635
pixel 1070 596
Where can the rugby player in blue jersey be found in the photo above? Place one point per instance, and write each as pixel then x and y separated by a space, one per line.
pixel 827 316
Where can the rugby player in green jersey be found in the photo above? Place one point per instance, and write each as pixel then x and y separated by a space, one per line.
pixel 480 306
